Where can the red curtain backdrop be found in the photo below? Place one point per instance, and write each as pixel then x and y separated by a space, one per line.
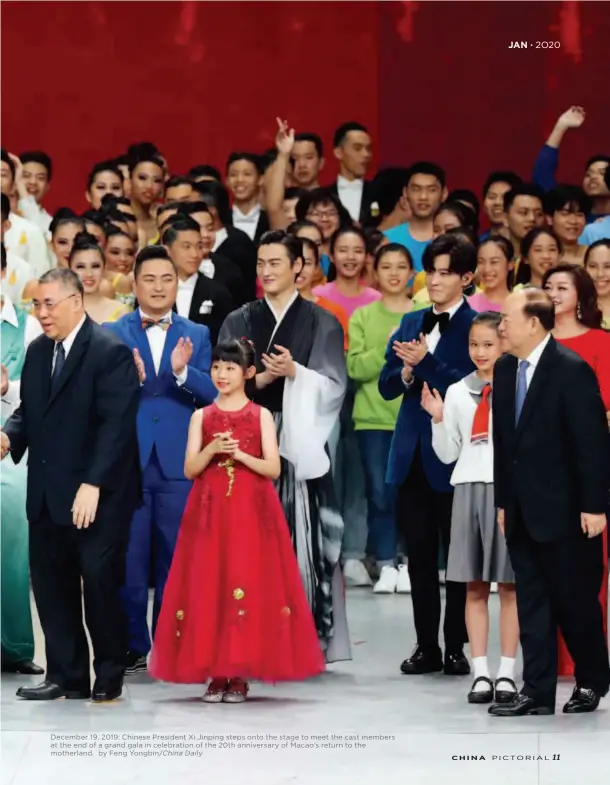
pixel 431 80
pixel 84 80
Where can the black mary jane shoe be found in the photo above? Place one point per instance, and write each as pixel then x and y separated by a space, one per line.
pixel 582 701
pixel 24 668
pixel 47 691
pixel 505 696
pixel 481 696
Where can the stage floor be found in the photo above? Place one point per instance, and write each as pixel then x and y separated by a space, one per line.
pixel 426 722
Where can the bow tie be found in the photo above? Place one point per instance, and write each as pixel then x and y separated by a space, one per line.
pixel 431 319
pixel 162 323
pixel 350 185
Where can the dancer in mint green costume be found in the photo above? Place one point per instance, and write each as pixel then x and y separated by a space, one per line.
pixel 17 330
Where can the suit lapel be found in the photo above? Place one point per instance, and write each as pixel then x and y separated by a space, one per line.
pixel 198 297
pixel 172 334
pixel 141 341
pixel 365 204
pixel 73 359
pixel 536 387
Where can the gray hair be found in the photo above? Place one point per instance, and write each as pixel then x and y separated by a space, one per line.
pixel 68 279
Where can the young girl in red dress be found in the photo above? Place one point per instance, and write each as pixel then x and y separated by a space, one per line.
pixel 234 607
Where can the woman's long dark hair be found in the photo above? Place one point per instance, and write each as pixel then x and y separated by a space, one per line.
pixel 587 310
pixel 524 271
pixel 241 352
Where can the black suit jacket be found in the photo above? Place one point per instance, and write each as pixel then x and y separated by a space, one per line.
pixel 554 464
pixel 85 432
pixel 211 304
pixel 366 217
pixel 240 249
pixel 227 273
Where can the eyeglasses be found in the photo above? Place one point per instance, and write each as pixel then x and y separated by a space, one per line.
pixel 324 215
pixel 50 305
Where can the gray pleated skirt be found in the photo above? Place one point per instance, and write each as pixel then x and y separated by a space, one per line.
pixel 478 549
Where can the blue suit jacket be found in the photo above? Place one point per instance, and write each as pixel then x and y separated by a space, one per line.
pixel 449 363
pixel 165 407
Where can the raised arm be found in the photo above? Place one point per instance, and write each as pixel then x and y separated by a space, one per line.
pixel 545 166
pixel 275 178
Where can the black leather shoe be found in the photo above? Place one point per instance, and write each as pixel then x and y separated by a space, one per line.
pixel 47 691
pixel 25 668
pixel 505 696
pixel 456 664
pixel 481 696
pixel 422 662
pixel 519 706
pixel 105 694
pixel 583 700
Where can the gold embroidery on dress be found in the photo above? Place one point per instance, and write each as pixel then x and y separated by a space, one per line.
pixel 239 594
pixel 180 615
pixel 229 465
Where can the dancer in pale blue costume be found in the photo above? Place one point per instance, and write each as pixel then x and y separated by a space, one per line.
pixel 17 330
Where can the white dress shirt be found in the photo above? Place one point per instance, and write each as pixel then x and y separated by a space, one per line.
pixel 26 240
pixel 221 236
pixel 208 268
pixel 434 337
pixel 533 359
pixel 247 222
pixel 68 343
pixel 34 212
pixel 156 340
pixel 18 274
pixel 184 299
pixel 10 400
pixel 350 195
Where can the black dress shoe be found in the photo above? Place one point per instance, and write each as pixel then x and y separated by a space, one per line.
pixel 481 696
pixel 583 700
pixel 422 662
pixel 25 668
pixel 456 664
pixel 105 694
pixel 505 696
pixel 47 691
pixel 519 706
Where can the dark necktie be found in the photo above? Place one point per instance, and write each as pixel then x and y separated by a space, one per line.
pixel 431 319
pixel 162 323
pixel 521 391
pixel 60 361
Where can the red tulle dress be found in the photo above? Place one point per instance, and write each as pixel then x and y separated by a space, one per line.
pixel 234 604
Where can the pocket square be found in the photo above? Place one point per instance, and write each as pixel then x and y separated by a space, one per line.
pixel 206 306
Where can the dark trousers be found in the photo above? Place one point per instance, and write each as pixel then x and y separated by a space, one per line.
pixel 424 516
pixel 60 556
pixel 558 586
pixel 152 534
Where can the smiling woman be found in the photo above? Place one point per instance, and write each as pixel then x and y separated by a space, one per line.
pixel 87 261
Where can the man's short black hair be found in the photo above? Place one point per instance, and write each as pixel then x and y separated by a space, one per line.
pixel 567 197
pixel 175 225
pixel 152 253
pixel 252 158
pixel 103 166
pixel 314 139
pixel 292 244
pixel 462 254
pixel 429 168
pixel 342 131
pixel 523 189
pixel 177 180
pixel 388 185
pixel 38 157
pixel 501 176
pixel 595 158
pixel 204 170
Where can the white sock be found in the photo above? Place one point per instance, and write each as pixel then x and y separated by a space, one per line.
pixel 481 668
pixel 506 671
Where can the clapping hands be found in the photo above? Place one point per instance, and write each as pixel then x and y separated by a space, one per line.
pixel 432 403
pixel 280 364
pixel 411 352
pixel 181 355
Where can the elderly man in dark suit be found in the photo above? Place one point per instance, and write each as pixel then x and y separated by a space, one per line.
pixel 79 402
pixel 551 473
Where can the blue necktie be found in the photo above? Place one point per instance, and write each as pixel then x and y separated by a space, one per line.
pixel 521 388
pixel 60 360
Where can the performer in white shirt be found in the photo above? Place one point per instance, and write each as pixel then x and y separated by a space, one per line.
pixel 18 271
pixel 33 173
pixel 244 180
pixel 353 149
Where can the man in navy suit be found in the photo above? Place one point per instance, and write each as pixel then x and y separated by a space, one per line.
pixel 173 356
pixel 430 346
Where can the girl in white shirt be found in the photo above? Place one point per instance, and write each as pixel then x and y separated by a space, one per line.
pixel 461 433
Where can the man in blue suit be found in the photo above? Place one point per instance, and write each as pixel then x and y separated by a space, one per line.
pixel 173 356
pixel 430 346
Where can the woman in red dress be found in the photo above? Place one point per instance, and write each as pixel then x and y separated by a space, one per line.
pixel 578 326
pixel 234 606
